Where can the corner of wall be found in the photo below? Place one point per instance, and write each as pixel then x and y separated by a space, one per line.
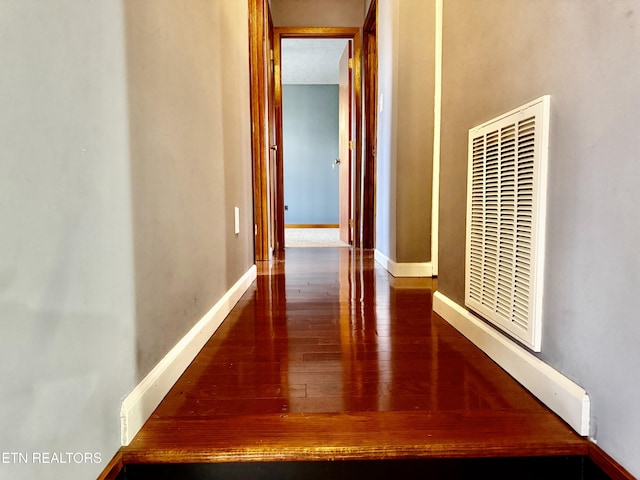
pixel 138 406
pixel 404 269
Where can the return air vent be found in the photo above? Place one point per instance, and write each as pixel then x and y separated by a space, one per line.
pixel 506 200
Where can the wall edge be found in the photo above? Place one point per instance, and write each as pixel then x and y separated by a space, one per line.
pixel 406 269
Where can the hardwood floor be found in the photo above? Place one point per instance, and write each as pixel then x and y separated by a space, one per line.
pixel 327 357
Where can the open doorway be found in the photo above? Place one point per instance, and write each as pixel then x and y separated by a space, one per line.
pixel 332 165
pixel 316 128
pixel 268 171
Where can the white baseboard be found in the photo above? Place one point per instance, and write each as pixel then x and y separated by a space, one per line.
pixel 416 269
pixel 138 406
pixel 564 397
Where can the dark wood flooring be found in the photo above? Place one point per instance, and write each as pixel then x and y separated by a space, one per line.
pixel 328 357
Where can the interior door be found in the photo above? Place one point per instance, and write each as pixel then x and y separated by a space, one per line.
pixel 345 145
pixel 367 213
pixel 275 238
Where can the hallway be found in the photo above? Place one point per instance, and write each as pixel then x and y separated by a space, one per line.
pixel 130 222
pixel 328 357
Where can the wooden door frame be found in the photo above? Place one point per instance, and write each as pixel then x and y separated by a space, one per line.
pixel 271 131
pixel 370 86
pixel 258 63
pixel 352 33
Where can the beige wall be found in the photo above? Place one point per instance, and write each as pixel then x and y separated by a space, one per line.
pixel 499 54
pixel 188 89
pixel 406 36
pixel 312 13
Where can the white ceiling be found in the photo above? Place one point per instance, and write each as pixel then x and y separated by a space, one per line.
pixel 311 60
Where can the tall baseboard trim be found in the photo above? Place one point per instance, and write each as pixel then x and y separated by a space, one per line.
pixel 564 397
pixel 138 406
pixel 416 269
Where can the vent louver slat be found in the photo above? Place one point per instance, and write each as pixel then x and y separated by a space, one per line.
pixel 505 220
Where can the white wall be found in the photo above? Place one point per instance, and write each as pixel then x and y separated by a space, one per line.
pixel 66 268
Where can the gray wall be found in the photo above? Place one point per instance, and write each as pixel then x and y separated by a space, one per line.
pixel 121 163
pixel 385 218
pixel 500 54
pixel 311 13
pixel 67 328
pixel 310 136
pixel 406 38
pixel 188 89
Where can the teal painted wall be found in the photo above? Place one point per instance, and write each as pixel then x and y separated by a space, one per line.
pixel 310 136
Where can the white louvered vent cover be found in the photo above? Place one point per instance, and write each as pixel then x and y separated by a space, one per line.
pixel 506 200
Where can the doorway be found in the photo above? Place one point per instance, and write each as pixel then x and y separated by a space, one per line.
pixel 268 172
pixel 335 163
pixel 316 129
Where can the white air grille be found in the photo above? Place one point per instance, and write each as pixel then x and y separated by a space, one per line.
pixel 506 198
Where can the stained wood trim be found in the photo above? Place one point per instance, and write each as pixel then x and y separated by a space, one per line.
pixel 316 32
pixel 259 152
pixel 311 225
pixel 372 14
pixel 272 157
pixel 358 169
pixel 355 34
pixel 370 116
pixel 279 200
pixel 113 468
pixel 607 464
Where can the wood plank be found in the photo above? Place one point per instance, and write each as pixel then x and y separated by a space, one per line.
pixel 350 436
pixel 370 118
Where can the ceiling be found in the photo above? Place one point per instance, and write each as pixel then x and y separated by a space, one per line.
pixel 311 60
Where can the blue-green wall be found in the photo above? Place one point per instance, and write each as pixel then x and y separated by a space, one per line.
pixel 310 135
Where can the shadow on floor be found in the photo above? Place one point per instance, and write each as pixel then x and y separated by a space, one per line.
pixel 528 468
